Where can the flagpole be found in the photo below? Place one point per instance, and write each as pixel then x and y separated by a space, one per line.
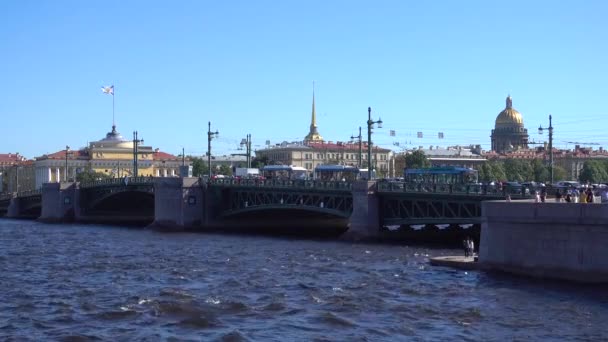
pixel 113 122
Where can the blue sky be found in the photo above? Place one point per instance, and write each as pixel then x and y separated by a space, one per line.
pixel 248 67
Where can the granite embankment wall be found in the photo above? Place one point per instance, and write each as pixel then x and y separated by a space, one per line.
pixel 552 240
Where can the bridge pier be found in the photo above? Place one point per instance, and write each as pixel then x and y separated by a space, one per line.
pixel 58 202
pixel 178 203
pixel 364 221
pixel 14 209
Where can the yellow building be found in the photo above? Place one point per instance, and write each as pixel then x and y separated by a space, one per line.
pixel 314 151
pixel 112 155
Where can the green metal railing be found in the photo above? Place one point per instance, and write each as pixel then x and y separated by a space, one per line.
pixel 118 182
pixel 26 193
pixel 457 189
pixel 279 183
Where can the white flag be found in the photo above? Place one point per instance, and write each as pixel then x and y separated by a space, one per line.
pixel 108 90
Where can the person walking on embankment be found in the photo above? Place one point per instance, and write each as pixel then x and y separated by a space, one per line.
pixel 558 196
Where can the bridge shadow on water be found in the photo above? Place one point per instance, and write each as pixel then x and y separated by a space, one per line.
pixel 431 235
pixel 284 223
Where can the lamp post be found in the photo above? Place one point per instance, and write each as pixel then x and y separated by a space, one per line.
pixel 16 178
pixel 370 125
pixel 210 136
pixel 540 131
pixel 67 150
pixel 136 142
pixel 359 137
pixel 247 143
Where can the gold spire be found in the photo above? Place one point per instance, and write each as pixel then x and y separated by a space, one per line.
pixel 314 114
pixel 313 135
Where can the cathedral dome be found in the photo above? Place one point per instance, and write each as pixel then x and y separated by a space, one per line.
pixel 509 117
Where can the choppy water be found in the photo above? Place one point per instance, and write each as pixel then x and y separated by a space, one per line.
pixel 81 283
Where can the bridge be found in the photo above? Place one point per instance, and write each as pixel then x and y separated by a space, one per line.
pixel 362 208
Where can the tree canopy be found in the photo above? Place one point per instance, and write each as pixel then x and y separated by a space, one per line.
pixel 91 176
pixel 416 160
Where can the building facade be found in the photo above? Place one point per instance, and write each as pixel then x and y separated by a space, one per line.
pixel 113 156
pixel 315 151
pixel 509 133
pixel 9 163
pixel 310 155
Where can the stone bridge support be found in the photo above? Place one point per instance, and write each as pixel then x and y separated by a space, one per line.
pixel 58 202
pixel 365 220
pixel 13 209
pixel 178 203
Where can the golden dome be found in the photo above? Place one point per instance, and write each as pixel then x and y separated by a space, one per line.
pixel 509 117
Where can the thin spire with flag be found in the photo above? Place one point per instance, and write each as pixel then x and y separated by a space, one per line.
pixel 110 90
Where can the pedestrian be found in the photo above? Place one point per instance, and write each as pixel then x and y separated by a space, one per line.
pixel 558 196
pixel 543 194
pixel 471 248
pixel 568 198
pixel 537 197
pixel 465 245
pixel 589 195
pixel 583 197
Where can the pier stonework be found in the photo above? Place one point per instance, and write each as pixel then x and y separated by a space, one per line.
pixel 178 203
pixel 58 202
pixel 551 240
pixel 13 210
pixel 364 221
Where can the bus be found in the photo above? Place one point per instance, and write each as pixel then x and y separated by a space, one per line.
pixel 364 174
pixel 284 172
pixel 441 175
pixel 336 173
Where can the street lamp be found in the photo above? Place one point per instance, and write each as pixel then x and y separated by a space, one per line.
pixel 67 150
pixel 247 143
pixel 16 178
pixel 540 131
pixel 136 142
pixel 210 136
pixel 370 125
pixel 358 137
pixel 183 157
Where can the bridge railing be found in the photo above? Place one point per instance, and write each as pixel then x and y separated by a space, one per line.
pixel 282 183
pixel 456 189
pixel 118 182
pixel 25 193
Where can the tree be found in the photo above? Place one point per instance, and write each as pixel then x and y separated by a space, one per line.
pixel 485 173
pixel 559 173
pixel 594 171
pixel 259 162
pixel 91 176
pixel 199 167
pixel 540 171
pixel 416 160
pixel 225 170
pixel 498 170
pixel 517 170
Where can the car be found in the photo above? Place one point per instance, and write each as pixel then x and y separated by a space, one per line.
pixel 515 188
pixel 533 184
pixel 567 184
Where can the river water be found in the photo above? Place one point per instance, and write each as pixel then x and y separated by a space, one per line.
pixel 89 283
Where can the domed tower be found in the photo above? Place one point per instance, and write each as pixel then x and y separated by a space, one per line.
pixel 509 133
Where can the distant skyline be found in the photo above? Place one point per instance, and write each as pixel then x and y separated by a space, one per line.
pixel 248 67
